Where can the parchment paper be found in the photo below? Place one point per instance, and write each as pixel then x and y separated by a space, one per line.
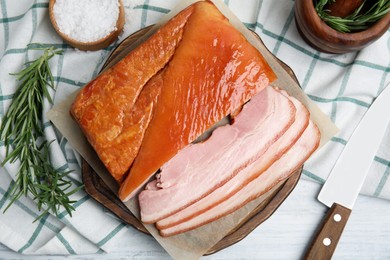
pixel 193 244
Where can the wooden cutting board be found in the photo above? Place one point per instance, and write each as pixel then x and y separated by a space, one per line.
pixel 98 190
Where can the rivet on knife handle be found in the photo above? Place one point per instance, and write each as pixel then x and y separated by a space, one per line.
pixel 325 242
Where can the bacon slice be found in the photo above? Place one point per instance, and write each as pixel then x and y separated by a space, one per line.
pixel 227 190
pixel 104 108
pixel 214 71
pixel 279 171
pixel 200 168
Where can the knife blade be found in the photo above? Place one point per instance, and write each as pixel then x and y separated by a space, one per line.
pixel 347 176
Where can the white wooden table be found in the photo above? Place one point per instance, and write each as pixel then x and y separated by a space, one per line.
pixel 284 236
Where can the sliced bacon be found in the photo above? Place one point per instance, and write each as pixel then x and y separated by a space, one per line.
pixel 227 190
pixel 279 171
pixel 200 168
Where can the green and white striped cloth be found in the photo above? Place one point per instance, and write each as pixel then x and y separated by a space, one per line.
pixel 343 86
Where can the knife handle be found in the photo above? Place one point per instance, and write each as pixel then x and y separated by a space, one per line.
pixel 325 242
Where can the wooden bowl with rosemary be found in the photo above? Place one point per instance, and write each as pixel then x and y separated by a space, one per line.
pixel 362 24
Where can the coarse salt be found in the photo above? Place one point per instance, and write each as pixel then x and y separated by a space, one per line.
pixel 86 20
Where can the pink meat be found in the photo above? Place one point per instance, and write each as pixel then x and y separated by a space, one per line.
pixel 279 171
pixel 276 150
pixel 200 168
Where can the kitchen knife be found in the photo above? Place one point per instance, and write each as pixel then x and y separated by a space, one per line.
pixel 347 177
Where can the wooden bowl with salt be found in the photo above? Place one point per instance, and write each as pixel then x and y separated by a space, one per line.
pixel 79 29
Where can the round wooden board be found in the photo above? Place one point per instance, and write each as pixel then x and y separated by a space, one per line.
pixel 98 190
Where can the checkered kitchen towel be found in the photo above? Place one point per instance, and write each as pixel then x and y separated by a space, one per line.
pixel 343 86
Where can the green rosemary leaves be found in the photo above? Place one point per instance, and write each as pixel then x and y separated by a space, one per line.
pixel 364 16
pixel 21 131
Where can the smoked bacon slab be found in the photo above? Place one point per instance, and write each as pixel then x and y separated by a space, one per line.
pixel 108 109
pixel 212 73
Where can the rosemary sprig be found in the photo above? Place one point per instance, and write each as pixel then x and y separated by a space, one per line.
pixel 21 131
pixel 358 20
